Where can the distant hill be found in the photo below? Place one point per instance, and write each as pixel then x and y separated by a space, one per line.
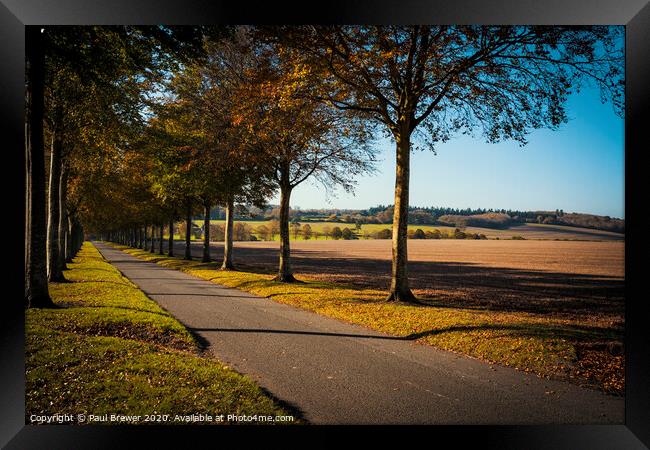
pixel 592 221
pixel 487 220
pixel 502 221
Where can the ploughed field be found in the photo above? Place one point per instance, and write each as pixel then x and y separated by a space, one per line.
pixel 562 278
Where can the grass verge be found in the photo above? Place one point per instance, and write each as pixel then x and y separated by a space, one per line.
pixel 569 349
pixel 109 349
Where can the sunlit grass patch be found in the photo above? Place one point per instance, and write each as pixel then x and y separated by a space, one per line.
pixel 544 345
pixel 109 349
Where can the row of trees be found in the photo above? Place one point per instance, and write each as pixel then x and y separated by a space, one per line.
pixel 150 124
pixel 85 89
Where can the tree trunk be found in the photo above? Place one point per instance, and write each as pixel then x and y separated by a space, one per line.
pixel 152 249
pixel 228 263
pixel 399 286
pixel 160 239
pixel 68 239
pixel 36 289
pixel 54 272
pixel 146 237
pixel 170 250
pixel 206 232
pixel 284 273
pixel 188 231
pixel 80 236
pixel 63 216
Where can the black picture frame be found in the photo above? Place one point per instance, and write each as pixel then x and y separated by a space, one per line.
pixel 634 14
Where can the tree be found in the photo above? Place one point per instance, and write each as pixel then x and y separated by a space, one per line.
pixel 295 228
pixel 242 231
pixel 298 138
pixel 337 233
pixel 36 289
pixel 306 231
pixel 232 173
pixel 502 81
pixel 274 229
pixel 418 234
pixel 263 232
pixel 94 81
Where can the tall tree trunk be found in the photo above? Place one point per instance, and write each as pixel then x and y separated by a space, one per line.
pixel 206 232
pixel 188 230
pixel 54 272
pixel 68 238
pixel 146 237
pixel 160 239
pixel 80 236
pixel 228 263
pixel 63 217
pixel 152 249
pixel 285 273
pixel 399 286
pixel 36 289
pixel 170 250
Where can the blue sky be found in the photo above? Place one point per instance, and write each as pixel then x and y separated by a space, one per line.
pixel 578 168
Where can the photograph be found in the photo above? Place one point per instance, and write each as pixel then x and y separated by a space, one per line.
pixel 306 224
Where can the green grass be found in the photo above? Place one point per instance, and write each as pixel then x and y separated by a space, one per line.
pixel 545 345
pixel 109 349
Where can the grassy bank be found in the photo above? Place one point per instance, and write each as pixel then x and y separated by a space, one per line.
pixel 109 349
pixel 572 349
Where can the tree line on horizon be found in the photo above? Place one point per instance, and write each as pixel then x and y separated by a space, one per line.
pixel 146 125
pixel 444 216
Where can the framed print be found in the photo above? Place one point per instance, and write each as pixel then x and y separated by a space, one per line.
pixel 383 217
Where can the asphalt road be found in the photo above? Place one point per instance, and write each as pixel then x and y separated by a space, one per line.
pixel 338 373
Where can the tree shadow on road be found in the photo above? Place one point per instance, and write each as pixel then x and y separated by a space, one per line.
pixel 570 332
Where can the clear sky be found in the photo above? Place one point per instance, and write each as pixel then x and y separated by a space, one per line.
pixel 578 168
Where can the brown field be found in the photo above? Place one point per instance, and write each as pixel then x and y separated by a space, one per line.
pixel 552 232
pixel 563 278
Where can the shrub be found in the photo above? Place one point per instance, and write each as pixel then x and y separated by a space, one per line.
pixel 295 229
pixel 274 229
pixel 263 232
pixel 196 231
pixel 386 233
pixel 347 234
pixel 217 232
pixel 241 232
pixel 306 231
pixel 518 238
pixel 417 234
